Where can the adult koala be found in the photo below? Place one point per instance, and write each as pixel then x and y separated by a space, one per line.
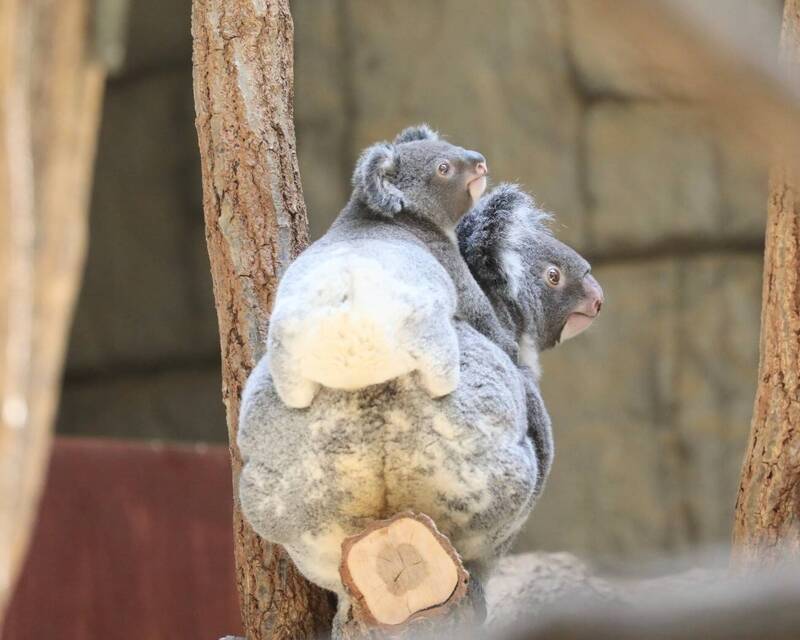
pixel 337 324
pixel 474 460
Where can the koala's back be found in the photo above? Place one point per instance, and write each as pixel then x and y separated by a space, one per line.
pixel 313 476
pixel 472 303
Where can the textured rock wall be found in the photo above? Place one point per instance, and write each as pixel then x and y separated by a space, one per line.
pixel 651 406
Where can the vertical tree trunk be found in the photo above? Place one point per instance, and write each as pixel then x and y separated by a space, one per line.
pixel 768 505
pixel 50 96
pixel 255 224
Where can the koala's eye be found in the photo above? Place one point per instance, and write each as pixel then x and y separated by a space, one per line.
pixel 553 276
pixel 444 168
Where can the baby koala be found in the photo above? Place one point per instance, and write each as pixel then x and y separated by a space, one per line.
pixel 475 460
pixel 375 298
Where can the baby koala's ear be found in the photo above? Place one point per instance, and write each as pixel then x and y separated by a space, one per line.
pixel 417 132
pixel 372 180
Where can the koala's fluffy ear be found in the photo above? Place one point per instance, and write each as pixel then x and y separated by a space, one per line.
pixel 418 132
pixel 491 233
pixel 372 180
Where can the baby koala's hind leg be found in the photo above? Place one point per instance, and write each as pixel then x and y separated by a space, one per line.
pixel 294 389
pixel 437 355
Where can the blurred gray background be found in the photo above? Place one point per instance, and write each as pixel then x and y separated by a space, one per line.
pixel 651 407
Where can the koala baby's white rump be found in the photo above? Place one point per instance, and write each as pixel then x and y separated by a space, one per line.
pixel 349 339
pixel 359 313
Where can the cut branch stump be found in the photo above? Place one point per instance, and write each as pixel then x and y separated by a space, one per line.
pixel 404 578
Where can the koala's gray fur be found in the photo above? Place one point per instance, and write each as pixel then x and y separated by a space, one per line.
pixel 376 297
pixel 509 257
pixel 474 460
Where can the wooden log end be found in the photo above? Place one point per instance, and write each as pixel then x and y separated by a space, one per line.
pixel 401 570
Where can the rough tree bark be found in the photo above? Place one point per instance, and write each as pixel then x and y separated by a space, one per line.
pixel 767 523
pixel 255 224
pixel 50 97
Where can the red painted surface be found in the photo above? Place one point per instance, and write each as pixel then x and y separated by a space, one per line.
pixel 133 541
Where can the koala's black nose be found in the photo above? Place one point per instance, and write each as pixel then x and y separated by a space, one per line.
pixel 478 161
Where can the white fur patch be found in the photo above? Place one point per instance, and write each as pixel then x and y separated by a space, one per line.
pixel 510 258
pixel 529 355
pixel 512 265
pixel 445 428
pixel 318 556
pixel 348 325
pixel 399 422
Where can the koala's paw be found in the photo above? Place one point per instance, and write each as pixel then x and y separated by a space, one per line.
pixel 298 393
pixel 438 358
pixel 439 383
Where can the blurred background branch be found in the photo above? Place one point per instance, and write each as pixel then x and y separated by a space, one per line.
pixel 50 100
pixel 767 528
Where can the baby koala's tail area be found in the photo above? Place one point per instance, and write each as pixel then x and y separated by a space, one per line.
pixel 344 327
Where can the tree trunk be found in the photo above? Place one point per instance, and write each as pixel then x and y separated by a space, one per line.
pixel 768 506
pixel 255 224
pixel 50 97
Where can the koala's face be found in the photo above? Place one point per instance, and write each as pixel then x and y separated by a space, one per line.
pixel 438 180
pixel 422 174
pixel 558 288
pixel 510 251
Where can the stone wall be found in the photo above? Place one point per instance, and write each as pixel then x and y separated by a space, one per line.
pixel 651 406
